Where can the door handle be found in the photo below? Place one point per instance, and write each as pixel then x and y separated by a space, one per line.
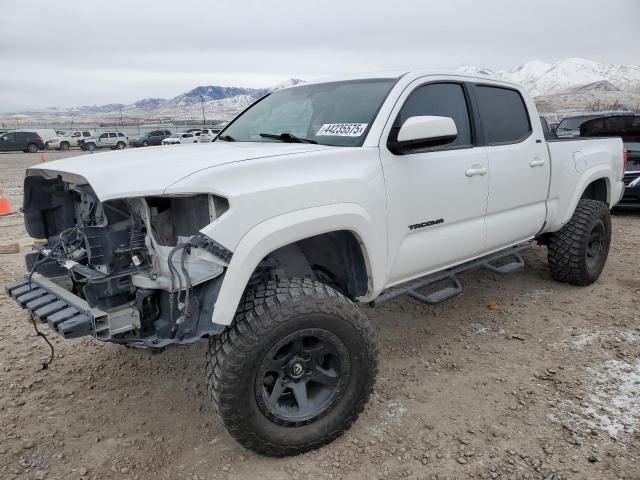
pixel 536 163
pixel 476 170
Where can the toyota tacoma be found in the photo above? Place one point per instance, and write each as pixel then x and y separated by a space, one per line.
pixel 314 201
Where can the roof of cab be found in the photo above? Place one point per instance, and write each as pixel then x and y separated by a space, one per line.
pixel 409 74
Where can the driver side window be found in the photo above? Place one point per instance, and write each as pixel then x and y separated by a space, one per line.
pixel 442 100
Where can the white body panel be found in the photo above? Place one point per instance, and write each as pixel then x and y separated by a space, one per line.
pixel 72 138
pixel 488 197
pixel 519 176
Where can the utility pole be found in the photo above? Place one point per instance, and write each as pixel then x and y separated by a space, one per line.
pixel 121 122
pixel 204 120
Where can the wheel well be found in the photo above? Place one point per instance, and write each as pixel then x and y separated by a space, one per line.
pixel 334 258
pixel 597 190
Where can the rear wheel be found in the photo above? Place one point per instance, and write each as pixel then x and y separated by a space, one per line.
pixel 295 368
pixel 120 146
pixel 64 146
pixel 89 146
pixel 32 148
pixel 578 252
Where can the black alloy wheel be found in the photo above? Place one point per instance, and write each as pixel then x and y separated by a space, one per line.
pixel 302 377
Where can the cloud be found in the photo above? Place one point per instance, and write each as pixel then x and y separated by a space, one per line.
pixel 79 52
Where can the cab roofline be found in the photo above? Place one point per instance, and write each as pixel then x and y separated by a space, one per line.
pixel 407 74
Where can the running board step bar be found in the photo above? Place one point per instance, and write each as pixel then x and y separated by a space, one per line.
pixel 490 262
pixel 67 314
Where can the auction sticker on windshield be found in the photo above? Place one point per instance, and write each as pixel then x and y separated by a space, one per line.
pixel 342 129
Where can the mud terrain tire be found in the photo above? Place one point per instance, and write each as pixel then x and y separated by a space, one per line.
pixel 282 322
pixel 578 252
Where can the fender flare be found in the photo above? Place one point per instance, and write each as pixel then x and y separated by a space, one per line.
pixel 287 228
pixel 598 173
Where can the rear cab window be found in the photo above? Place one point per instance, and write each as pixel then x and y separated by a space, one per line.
pixel 504 115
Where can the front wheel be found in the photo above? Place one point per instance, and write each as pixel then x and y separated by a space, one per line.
pixel 32 148
pixel 295 368
pixel 578 252
pixel 64 146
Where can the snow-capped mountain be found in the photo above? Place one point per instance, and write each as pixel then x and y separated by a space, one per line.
pixel 220 102
pixel 574 84
pixel 541 78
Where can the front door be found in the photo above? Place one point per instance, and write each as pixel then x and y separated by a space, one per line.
pixel 436 197
pixel 7 142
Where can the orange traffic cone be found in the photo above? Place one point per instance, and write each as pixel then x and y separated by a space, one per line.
pixel 5 207
pixel 43 158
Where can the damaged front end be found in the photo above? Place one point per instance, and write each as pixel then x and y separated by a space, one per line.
pixel 133 270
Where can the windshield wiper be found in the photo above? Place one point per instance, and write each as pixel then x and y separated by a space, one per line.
pixel 287 138
pixel 226 138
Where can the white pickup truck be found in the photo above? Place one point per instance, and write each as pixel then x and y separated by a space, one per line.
pixel 315 200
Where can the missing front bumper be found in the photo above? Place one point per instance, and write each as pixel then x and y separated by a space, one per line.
pixel 67 314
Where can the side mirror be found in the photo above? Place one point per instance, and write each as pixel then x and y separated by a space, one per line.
pixel 423 132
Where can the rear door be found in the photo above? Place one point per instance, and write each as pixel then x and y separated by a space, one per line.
pixel 155 137
pixel 436 197
pixel 519 169
pixel 22 139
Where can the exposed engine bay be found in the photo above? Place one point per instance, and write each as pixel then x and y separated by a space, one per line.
pixel 140 262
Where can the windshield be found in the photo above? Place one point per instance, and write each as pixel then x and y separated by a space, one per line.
pixel 176 135
pixel 337 113
pixel 573 123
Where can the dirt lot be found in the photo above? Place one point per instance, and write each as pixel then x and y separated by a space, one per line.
pixel 546 385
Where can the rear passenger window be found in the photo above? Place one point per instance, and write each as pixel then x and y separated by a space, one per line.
pixel 112 135
pixel 503 114
pixel 443 100
pixel 86 134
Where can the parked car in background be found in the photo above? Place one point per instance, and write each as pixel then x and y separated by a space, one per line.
pixel 112 140
pixel 548 133
pixel 25 141
pixel 208 134
pixel 570 126
pixel 69 139
pixel 178 138
pixel 628 128
pixel 154 137
pixel 45 133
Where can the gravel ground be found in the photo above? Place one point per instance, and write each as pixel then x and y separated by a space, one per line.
pixel 518 378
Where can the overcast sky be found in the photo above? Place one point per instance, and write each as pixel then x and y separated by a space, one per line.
pixel 67 52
